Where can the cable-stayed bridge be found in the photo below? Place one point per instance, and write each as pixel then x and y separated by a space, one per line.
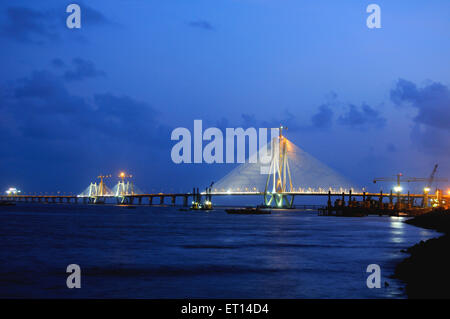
pixel 288 173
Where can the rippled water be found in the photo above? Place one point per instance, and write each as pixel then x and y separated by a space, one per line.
pixel 161 252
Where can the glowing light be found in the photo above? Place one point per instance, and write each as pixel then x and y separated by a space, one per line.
pixel 398 189
pixel 426 189
pixel 12 191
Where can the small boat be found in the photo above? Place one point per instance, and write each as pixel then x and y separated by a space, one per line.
pixel 206 205
pixel 248 211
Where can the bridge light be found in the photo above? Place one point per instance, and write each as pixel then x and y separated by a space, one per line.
pixel 426 189
pixel 12 191
pixel 398 189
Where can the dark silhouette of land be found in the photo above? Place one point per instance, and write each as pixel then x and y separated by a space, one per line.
pixel 427 271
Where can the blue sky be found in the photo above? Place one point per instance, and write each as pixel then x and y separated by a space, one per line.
pixel 77 103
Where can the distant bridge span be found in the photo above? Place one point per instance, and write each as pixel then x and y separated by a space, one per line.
pixel 148 199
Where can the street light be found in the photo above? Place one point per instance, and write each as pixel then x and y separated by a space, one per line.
pixel 398 189
pixel 123 175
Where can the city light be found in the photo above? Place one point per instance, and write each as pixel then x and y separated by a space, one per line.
pixel 12 191
pixel 398 189
pixel 426 189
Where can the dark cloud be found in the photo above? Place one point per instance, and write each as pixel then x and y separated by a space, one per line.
pixel 27 25
pixel 72 138
pixel 44 92
pixel 83 69
pixel 201 24
pixel 92 17
pixel 432 102
pixel 431 140
pixel 57 63
pixel 123 116
pixel 323 118
pixel 431 130
pixel 361 117
pixel 41 107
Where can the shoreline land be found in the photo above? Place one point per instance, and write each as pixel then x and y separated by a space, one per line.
pixel 426 272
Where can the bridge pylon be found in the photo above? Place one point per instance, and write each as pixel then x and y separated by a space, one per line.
pixel 279 181
pixel 124 190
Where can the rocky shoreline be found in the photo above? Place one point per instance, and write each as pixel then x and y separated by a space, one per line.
pixel 426 271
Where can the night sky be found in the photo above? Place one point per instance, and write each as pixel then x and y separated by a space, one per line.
pixel 78 103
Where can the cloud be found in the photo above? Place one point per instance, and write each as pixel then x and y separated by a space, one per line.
pixel 432 102
pixel 431 130
pixel 201 24
pixel 27 25
pixel 83 69
pixel 40 106
pixel 51 137
pixel 323 118
pixel 361 117
pixel 57 63
pixel 93 17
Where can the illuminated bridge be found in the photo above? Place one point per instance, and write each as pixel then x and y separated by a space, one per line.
pixel 289 173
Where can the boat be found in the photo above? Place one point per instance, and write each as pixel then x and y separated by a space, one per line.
pixel 248 211
pixel 206 205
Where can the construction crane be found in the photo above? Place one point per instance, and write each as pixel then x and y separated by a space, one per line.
pixel 430 179
pixel 398 179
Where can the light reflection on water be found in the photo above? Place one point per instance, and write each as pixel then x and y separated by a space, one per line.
pixel 155 252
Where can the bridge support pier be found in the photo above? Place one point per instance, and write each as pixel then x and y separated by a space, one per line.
pixel 174 198
pixel 277 200
pixel 390 199
pixel 150 200
pixel 185 201
pixel 380 200
pixel 329 200
pixel 161 200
